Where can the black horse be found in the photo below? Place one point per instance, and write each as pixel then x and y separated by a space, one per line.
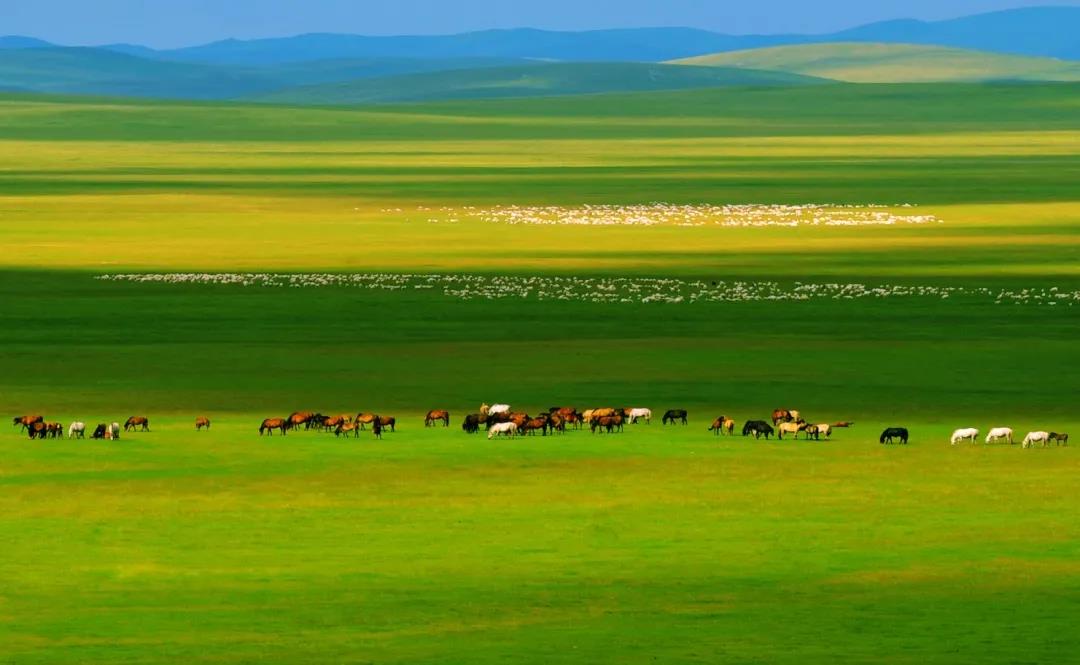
pixel 900 433
pixel 675 415
pixel 472 423
pixel 758 428
pixel 99 431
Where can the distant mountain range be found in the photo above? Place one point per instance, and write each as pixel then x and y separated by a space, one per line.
pixel 349 69
pixel 1037 31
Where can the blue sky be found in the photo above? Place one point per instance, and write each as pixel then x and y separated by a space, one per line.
pixel 170 23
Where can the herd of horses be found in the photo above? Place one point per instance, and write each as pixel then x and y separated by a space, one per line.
pixel 500 420
pixel 341 425
pixel 1005 435
pixel 38 428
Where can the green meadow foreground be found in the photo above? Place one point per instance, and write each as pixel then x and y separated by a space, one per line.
pixel 419 257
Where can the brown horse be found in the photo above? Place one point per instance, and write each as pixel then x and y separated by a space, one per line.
pixel 843 423
pixel 363 419
pixel 38 430
pixel 334 422
pixel 1059 439
pixel 534 424
pixel 781 416
pixel 24 422
pixel 602 413
pixel 556 422
pixel 608 424
pixel 54 430
pixel 386 422
pixel 137 421
pixel 347 429
pixel 435 416
pixel 519 419
pixel 271 424
pixel 201 422
pixel 723 424
pixel 298 418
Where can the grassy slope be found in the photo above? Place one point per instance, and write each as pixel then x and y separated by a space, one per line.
pixel 103 72
pixel 893 63
pixel 531 81
pixel 430 547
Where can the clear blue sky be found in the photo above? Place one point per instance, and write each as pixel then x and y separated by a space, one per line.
pixel 170 23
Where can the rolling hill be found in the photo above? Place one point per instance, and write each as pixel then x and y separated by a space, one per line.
pixel 894 63
pixel 533 81
pixel 102 72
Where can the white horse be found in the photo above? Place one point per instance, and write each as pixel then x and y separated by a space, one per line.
pixel 825 430
pixel 1037 437
pixel 505 429
pixel 641 413
pixel 999 434
pixel 795 415
pixel 498 409
pixel 77 429
pixel 967 434
pixel 112 431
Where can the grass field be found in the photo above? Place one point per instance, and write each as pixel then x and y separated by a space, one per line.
pixel 860 62
pixel 658 545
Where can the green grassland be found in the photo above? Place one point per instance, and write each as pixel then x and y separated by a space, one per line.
pixel 532 80
pixel 657 545
pixel 860 62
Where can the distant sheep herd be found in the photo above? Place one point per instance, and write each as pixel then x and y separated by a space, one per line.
pixel 500 420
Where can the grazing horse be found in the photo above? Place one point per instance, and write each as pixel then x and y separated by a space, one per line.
pixel 77 429
pixel 508 428
pixel 298 418
pixel 271 424
pixel 533 424
pixel 99 431
pixel 781 416
pixel 999 434
pixel 608 424
pixel 966 434
pixel 824 429
pixel 435 416
pixel 347 429
pixel 792 428
pixel 472 423
pixel 137 421
pixel 201 422
pixel 721 425
pixel 1059 439
pixel 556 422
pixel 899 433
pixel 673 416
pixel 634 414
pixel 24 422
pixel 813 431
pixel 1036 437
pixel 332 423
pixel 758 428
pixel 38 430
pixel 54 430
pixel 364 419
pixel 385 422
